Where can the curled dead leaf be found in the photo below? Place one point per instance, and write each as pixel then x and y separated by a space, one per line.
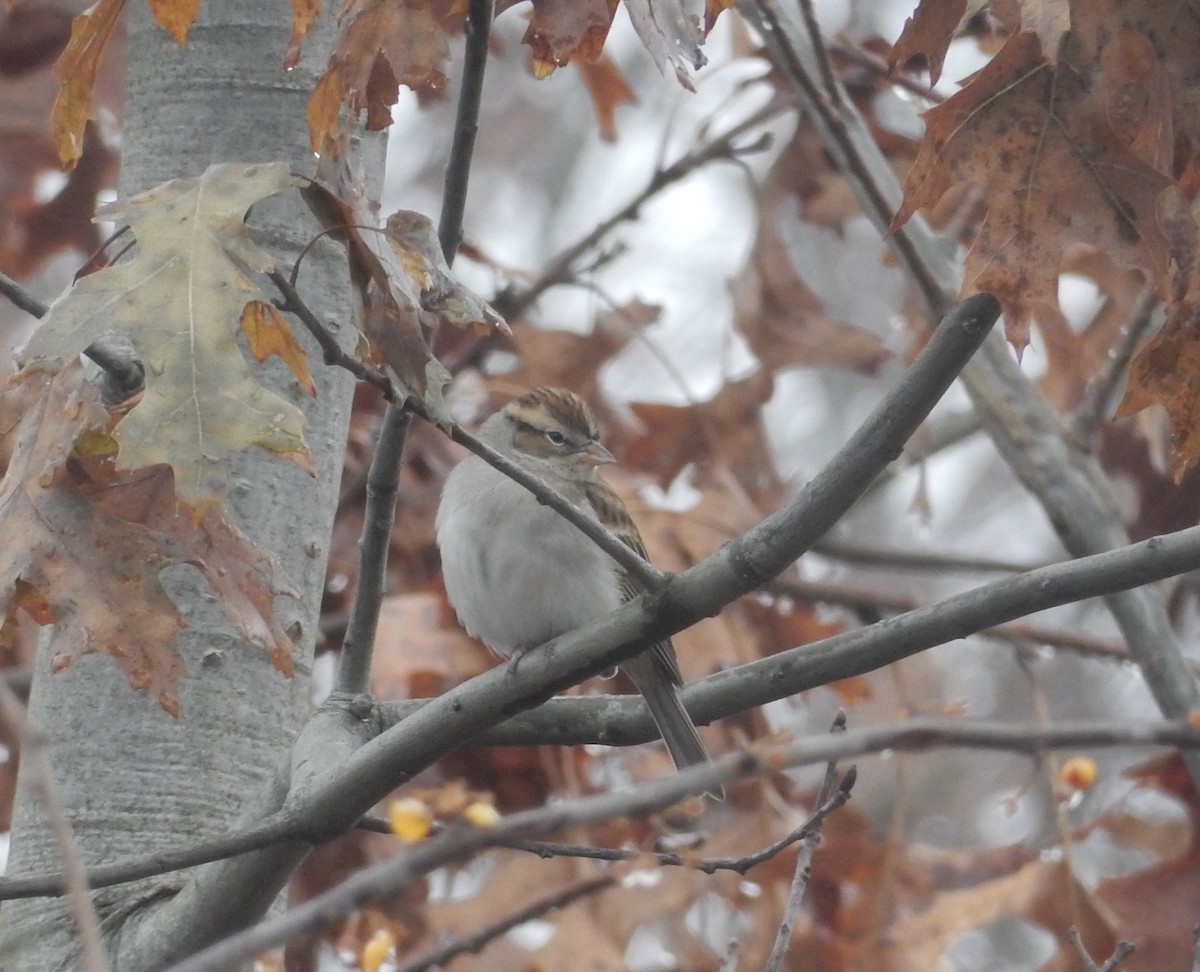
pixel 415 243
pixel 79 535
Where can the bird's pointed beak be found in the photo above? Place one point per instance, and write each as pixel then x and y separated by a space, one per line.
pixel 594 454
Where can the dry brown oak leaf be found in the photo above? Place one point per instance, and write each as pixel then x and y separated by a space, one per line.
pixel 1059 160
pixel 82 545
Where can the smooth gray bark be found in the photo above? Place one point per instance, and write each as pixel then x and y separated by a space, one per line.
pixel 134 779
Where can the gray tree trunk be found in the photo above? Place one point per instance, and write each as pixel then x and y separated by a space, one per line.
pixel 135 780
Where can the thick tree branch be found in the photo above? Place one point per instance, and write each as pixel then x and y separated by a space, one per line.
pixel 1027 432
pixel 460 843
pixel 623 721
pixel 917 735
pixel 738 568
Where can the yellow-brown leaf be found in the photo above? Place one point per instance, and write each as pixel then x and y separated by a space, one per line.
pixel 82 544
pixel 175 17
pixel 608 90
pixel 381 45
pixel 76 68
pixel 304 13
pixel 267 333
pixel 201 400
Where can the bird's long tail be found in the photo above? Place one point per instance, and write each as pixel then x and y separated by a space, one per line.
pixel 661 693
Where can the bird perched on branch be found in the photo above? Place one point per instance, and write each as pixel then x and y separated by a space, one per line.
pixel 519 574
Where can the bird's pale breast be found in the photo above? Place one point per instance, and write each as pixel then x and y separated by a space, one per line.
pixel 516 572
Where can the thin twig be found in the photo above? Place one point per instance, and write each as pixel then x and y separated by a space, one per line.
pixel 878 66
pixel 873 603
pixel 466 125
pixel 125 372
pixel 21 297
pixel 293 303
pixel 512 303
pixel 707 865
pixel 481 936
pixel 1025 633
pixel 917 560
pixel 937 436
pixel 791 912
pixel 384 880
pixel 1098 397
pixel 833 90
pixel 1120 953
pixel 383 480
pixel 262 834
pixel 383 487
pixel 38 776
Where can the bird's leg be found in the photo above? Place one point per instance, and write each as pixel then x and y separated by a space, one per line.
pixel 515 658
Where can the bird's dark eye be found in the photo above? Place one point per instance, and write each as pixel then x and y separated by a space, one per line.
pixel 555 437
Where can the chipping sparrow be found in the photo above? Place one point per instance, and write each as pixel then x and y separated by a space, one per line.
pixel 518 574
